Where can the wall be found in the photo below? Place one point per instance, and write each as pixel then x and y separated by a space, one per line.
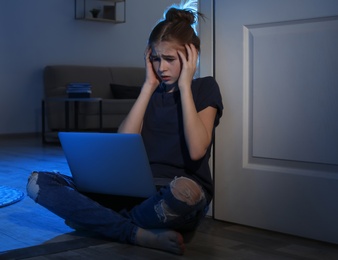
pixel 206 34
pixel 37 33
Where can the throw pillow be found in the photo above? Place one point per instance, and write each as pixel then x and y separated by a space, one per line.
pixel 125 92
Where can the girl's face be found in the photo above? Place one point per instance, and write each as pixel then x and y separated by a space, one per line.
pixel 166 61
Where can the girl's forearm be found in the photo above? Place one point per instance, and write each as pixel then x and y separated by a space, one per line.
pixel 196 132
pixel 134 120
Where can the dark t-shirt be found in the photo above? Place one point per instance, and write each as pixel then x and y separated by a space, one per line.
pixel 163 133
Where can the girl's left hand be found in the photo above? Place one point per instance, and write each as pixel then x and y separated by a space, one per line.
pixel 189 64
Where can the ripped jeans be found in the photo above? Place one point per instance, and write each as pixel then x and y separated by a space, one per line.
pixel 179 206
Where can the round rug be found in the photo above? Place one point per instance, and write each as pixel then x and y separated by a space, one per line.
pixel 9 195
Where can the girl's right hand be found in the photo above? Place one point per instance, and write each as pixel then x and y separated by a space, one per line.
pixel 152 80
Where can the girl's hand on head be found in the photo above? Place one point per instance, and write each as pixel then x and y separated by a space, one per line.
pixel 189 64
pixel 151 78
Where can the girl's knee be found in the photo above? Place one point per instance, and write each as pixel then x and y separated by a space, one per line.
pixel 32 186
pixel 187 190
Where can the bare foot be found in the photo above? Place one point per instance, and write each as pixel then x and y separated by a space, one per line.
pixel 163 239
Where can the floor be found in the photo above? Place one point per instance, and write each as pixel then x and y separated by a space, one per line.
pixel 28 231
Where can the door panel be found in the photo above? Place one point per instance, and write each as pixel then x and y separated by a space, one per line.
pixel 277 144
pixel 287 105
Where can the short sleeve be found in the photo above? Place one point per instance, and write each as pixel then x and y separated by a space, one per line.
pixel 206 93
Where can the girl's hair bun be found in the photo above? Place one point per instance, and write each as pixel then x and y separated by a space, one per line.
pixel 179 25
pixel 179 15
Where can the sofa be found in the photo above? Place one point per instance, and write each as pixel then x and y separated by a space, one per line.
pixel 118 87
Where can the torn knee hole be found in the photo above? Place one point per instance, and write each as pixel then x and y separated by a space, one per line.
pixel 32 186
pixel 164 213
pixel 186 190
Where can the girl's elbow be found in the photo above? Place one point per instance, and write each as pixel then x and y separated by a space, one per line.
pixel 197 154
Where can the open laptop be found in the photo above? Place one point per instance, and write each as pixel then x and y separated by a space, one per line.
pixel 108 163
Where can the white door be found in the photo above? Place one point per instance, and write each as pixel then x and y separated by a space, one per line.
pixel 276 62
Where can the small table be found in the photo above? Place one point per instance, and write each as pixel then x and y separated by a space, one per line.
pixel 66 101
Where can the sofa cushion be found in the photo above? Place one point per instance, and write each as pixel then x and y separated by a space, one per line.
pixel 125 92
pixel 109 107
